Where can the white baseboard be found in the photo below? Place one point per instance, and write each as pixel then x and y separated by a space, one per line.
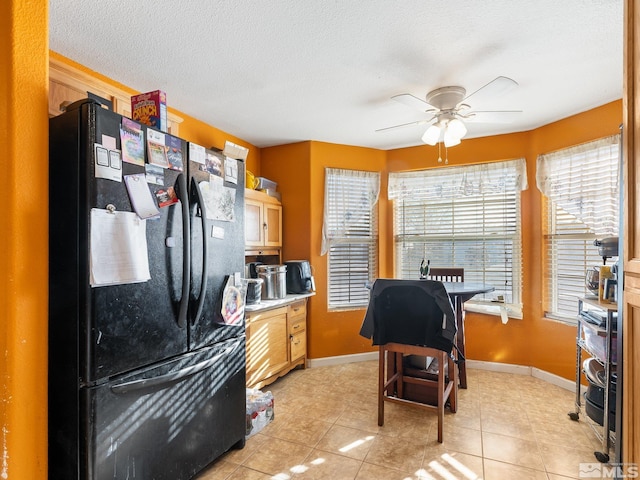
pixel 477 364
pixel 553 379
pixel 328 361
pixel 499 367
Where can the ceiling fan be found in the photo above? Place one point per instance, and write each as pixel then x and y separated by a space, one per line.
pixel 450 108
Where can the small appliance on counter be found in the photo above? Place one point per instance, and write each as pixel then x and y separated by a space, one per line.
pixel 254 290
pixel 275 281
pixel 250 269
pixel 299 277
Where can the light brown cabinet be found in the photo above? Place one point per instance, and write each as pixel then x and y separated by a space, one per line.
pixel 267 345
pixel 68 84
pixel 276 342
pixel 263 223
pixel 297 329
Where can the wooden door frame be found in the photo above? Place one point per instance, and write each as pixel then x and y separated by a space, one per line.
pixel 630 438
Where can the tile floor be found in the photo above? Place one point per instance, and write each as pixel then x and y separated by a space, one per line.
pixel 507 426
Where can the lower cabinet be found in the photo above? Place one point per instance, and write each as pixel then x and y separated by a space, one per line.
pixel 276 342
pixel 297 331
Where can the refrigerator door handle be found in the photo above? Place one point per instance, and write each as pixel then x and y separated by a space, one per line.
pixel 186 250
pixel 168 379
pixel 199 201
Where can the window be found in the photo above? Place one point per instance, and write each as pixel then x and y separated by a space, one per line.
pixel 581 187
pixel 350 235
pixel 467 216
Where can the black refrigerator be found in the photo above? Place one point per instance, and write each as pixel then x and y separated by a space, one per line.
pixel 146 376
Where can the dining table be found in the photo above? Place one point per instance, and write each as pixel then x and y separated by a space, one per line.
pixel 460 292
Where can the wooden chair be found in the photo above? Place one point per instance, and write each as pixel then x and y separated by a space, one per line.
pixel 454 274
pixel 446 274
pixel 391 389
pixel 409 312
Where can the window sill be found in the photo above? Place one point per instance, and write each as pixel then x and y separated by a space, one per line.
pixel 346 308
pixel 494 309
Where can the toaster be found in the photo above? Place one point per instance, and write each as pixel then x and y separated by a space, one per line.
pixel 299 278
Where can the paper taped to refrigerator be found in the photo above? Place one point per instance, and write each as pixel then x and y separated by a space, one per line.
pixel 118 248
pixel 219 200
pixel 140 196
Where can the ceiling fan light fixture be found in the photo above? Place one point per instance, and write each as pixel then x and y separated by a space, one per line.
pixel 450 140
pixel 450 106
pixel 432 135
pixel 457 128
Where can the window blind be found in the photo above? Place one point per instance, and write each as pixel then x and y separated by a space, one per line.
pixel 350 235
pixel 581 187
pixel 466 216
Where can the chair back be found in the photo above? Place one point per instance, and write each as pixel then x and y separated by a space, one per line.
pixel 407 312
pixel 446 274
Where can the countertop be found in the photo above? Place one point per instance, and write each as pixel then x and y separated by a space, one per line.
pixel 269 304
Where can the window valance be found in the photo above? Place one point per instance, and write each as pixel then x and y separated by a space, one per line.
pixel 583 182
pixel 448 183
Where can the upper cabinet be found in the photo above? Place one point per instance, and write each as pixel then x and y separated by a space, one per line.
pixel 68 84
pixel 263 223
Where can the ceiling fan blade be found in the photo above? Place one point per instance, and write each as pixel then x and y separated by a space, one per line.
pixel 419 122
pixel 497 116
pixel 496 87
pixel 412 101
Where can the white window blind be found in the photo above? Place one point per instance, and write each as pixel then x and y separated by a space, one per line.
pixel 467 216
pixel 581 186
pixel 350 235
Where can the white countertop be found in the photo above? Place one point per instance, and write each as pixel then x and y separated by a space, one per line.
pixel 269 304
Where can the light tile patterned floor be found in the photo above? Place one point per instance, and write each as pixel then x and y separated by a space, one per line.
pixel 507 426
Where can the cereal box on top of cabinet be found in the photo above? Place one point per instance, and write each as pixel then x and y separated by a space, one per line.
pixel 151 109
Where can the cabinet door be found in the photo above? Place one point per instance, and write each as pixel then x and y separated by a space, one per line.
pixel 253 223
pixel 60 94
pixel 298 346
pixel 631 238
pixel 273 219
pixel 267 345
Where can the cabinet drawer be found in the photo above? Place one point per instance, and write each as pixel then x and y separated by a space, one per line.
pixel 256 316
pixel 299 307
pixel 298 346
pixel 297 324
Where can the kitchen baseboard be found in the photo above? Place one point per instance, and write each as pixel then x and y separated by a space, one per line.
pixel 341 359
pixel 477 364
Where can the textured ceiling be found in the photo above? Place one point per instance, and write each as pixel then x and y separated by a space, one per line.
pixel 275 72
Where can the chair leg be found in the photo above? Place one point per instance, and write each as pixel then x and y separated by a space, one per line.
pixel 400 371
pixel 453 396
pixel 459 311
pixel 381 382
pixel 441 386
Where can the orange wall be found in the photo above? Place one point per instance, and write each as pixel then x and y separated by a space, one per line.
pixel 290 167
pixel 196 131
pixel 532 341
pixel 299 171
pixel 23 238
